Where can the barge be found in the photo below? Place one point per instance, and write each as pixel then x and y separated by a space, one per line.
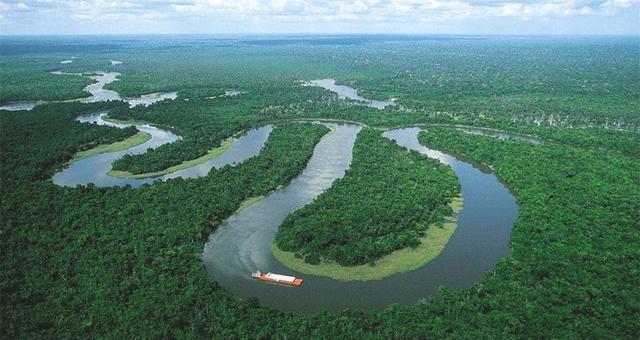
pixel 277 278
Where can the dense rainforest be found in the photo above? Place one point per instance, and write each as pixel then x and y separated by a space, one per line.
pixel 29 151
pixel 385 202
pixel 202 129
pixel 103 245
pixel 33 81
pixel 126 262
pixel 578 229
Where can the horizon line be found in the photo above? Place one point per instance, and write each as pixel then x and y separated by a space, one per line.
pixel 327 34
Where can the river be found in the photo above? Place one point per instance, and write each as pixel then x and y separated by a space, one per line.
pixel 94 169
pixel 242 243
pixel 351 93
pixel 98 93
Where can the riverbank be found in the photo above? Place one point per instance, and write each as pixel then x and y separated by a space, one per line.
pixel 211 154
pixel 399 261
pixel 251 201
pixel 106 118
pixel 135 140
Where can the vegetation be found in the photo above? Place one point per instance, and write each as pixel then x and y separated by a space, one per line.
pixel 124 239
pixel 30 153
pixel 202 130
pixel 399 261
pixel 577 209
pixel 137 139
pixel 213 153
pixel 126 263
pixel 32 80
pixel 385 202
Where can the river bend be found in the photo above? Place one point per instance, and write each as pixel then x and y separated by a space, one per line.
pixel 94 169
pixel 242 243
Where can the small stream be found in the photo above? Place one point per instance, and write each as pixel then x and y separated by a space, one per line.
pixel 500 134
pixel 20 106
pixel 98 93
pixel 351 93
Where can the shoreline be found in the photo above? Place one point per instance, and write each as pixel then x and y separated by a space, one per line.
pixel 139 138
pixel 211 154
pixel 399 261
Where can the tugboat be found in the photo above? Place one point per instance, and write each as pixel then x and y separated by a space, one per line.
pixel 277 278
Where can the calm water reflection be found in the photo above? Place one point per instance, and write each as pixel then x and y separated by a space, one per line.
pixel 351 93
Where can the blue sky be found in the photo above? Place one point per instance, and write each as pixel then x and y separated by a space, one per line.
pixel 315 16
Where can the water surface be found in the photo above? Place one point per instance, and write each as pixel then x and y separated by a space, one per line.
pixel 98 93
pixel 500 134
pixel 19 106
pixel 351 93
pixel 97 90
pixel 148 99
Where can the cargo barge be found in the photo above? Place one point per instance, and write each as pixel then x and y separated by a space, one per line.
pixel 277 278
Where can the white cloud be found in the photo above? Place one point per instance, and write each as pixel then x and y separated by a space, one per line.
pixel 619 3
pixel 366 12
pixel 8 7
pixel 408 9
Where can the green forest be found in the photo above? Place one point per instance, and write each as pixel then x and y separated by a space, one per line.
pixel 202 129
pixel 385 201
pixel 31 153
pixel 126 262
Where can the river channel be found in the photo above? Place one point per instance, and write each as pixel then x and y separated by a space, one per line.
pixel 351 93
pixel 94 169
pixel 98 93
pixel 242 243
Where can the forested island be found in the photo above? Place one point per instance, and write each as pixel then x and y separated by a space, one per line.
pixel 385 202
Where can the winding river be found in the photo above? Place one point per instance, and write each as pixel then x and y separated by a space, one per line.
pixel 94 169
pixel 242 244
pixel 98 93
pixel 351 93
pixel 500 134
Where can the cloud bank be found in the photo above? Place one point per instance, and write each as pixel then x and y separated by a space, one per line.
pixel 330 16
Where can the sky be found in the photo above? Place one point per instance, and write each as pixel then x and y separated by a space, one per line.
pixel 547 17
